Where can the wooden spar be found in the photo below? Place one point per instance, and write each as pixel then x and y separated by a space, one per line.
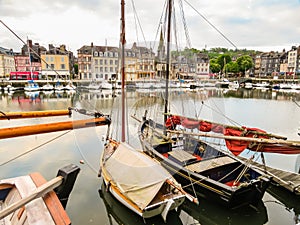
pixel 39 192
pixel 33 114
pixel 168 61
pixel 233 127
pixel 187 195
pixel 51 127
pixel 238 138
pixel 123 41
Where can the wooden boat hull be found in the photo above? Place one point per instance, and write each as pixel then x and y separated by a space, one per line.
pixel 158 206
pixel 148 212
pixel 124 216
pixel 31 199
pixel 206 182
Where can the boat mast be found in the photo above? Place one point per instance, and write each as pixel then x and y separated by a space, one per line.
pixel 122 39
pixel 168 62
pixel 29 55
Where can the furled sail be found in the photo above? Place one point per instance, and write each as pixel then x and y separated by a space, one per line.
pixel 253 139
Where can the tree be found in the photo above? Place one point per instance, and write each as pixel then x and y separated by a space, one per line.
pixel 214 66
pixel 222 60
pixel 232 67
pixel 245 62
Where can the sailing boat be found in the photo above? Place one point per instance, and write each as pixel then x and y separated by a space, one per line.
pixel 131 176
pixel 203 170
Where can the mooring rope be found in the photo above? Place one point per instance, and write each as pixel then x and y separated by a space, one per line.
pixel 35 148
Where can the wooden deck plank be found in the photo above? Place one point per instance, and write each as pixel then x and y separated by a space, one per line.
pixel 209 164
pixel 181 155
pixel 286 179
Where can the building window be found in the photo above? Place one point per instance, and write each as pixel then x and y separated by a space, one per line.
pixel 63 66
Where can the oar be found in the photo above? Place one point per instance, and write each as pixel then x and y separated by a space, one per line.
pixel 39 192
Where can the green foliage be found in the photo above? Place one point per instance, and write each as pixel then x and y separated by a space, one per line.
pixel 232 67
pixel 223 59
pixel 244 62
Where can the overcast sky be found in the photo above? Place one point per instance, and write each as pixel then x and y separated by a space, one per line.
pixel 253 24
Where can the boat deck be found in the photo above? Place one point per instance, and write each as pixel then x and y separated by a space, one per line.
pixel 287 180
pixel 209 164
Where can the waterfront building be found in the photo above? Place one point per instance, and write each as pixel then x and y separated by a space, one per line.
pixel 202 65
pixel 145 62
pixel 294 61
pixel 283 63
pixel 7 62
pixel 102 63
pixel 105 62
pixel 55 63
pixel 270 64
pixel 97 62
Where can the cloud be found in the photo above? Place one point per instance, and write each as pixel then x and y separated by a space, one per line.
pixel 76 23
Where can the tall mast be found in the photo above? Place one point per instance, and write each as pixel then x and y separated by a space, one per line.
pixel 29 55
pixel 122 39
pixel 168 60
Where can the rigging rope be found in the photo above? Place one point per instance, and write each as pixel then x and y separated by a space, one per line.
pixel 213 26
pixel 35 148
pixel 188 40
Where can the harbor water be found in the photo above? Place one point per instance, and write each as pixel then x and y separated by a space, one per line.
pixel 277 112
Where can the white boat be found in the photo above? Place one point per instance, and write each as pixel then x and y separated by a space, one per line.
pixel 138 181
pixel 70 87
pixel 295 86
pixel 31 200
pixel 146 85
pixel 10 88
pixel 263 84
pixel 32 86
pixel 94 86
pixel 285 86
pixel 106 85
pixel 234 84
pixel 58 87
pixel 47 87
pixel 224 83
pixel 248 85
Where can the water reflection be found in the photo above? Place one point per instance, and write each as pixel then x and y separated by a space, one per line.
pixel 119 214
pixel 203 92
pixel 245 111
pixel 208 213
pixel 291 202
